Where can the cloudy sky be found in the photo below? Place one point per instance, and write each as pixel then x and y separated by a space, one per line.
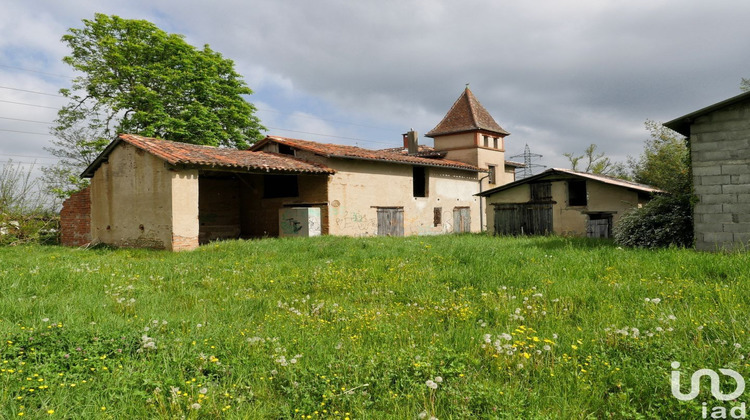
pixel 558 75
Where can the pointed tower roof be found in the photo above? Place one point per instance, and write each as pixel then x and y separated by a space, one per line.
pixel 466 114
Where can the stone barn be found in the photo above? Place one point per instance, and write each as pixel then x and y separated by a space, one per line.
pixel 719 140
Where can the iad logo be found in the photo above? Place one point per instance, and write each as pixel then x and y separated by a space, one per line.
pixel 695 384
pixel 717 412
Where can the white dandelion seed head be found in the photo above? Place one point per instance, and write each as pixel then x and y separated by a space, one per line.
pixel 439 379
pixel 431 384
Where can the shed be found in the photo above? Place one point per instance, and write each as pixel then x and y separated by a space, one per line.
pixel 564 202
pixel 719 139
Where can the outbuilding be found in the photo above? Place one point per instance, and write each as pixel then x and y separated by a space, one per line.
pixel 719 140
pixel 563 202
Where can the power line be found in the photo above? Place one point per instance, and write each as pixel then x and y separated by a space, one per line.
pixel 30 156
pixel 37 71
pixel 26 132
pixel 324 119
pixel 31 121
pixel 22 103
pixel 32 91
pixel 329 135
pixel 18 161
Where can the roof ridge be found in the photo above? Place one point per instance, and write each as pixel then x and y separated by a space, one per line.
pixel 469 94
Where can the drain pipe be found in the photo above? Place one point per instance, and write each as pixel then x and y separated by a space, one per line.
pixel 481 209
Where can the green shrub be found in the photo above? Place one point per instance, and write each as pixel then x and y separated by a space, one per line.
pixel 41 228
pixel 667 220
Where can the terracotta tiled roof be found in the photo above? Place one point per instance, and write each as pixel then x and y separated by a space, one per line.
pixel 177 153
pixel 427 151
pixel 596 177
pixel 422 151
pixel 352 152
pixel 466 114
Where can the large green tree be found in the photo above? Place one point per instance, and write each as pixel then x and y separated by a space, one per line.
pixel 136 78
pixel 139 79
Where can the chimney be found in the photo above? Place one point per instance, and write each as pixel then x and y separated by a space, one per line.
pixel 411 142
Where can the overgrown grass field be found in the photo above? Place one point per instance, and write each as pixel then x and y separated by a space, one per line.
pixel 468 326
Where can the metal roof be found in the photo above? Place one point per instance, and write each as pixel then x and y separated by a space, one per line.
pixel 682 124
pixel 558 171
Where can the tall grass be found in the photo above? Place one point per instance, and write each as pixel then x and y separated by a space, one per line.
pixel 466 326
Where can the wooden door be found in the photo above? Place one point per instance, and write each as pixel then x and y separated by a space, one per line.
pixel 599 228
pixel 523 219
pixel 508 220
pixel 391 221
pixel 461 220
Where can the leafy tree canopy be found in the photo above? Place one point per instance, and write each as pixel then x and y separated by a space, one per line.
pixel 139 79
pixel 665 161
pixel 596 163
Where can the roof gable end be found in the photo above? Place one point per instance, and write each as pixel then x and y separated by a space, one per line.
pixel 605 179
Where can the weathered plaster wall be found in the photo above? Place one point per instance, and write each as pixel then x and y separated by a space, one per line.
pixel 359 187
pixel 469 148
pixel 133 198
pixel 720 152
pixel 566 219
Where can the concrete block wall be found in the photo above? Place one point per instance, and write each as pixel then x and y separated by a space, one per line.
pixel 720 151
pixel 75 219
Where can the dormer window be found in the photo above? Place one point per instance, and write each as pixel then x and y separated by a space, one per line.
pixel 286 150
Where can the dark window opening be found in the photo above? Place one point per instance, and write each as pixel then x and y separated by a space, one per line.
pixel 492 177
pixel 486 141
pixel 420 181
pixel 577 193
pixel 541 191
pixel 494 139
pixel 276 186
pixel 286 150
pixel 437 216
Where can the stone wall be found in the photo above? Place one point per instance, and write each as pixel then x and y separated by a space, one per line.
pixel 75 219
pixel 720 152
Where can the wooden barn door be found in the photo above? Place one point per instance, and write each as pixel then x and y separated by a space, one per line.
pixel 599 226
pixel 538 219
pixel 390 221
pixel 523 219
pixel 461 220
pixel 508 219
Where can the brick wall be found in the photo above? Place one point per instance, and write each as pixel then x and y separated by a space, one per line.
pixel 75 219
